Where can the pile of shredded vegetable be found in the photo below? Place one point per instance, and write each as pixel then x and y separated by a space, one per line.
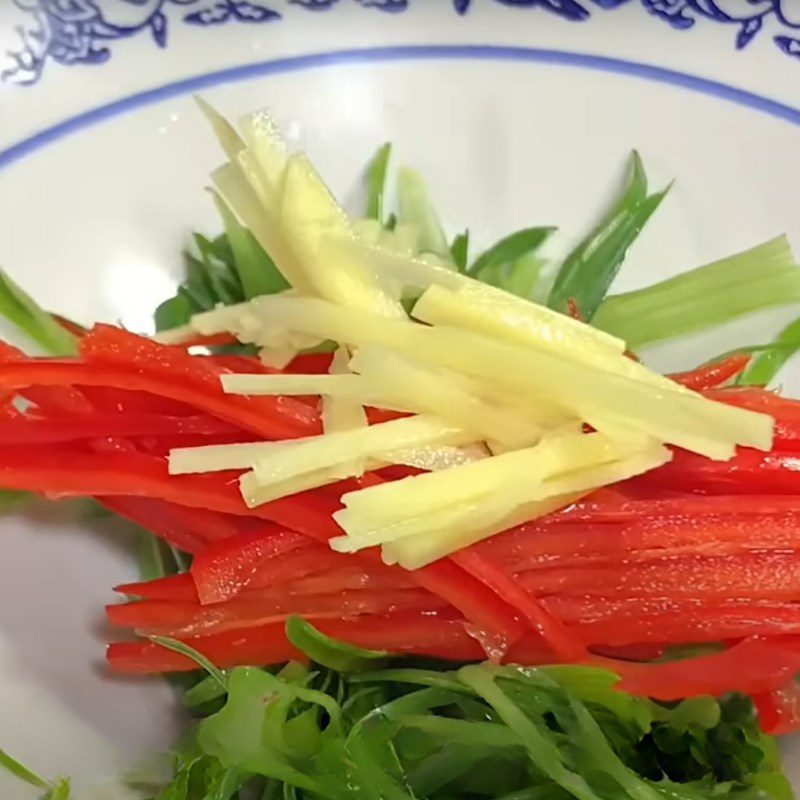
pixel 350 424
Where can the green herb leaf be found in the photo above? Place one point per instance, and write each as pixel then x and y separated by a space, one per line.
pixel 335 655
pixel 459 251
pixel 417 677
pixel 742 351
pixel 154 557
pixel 198 658
pixel 587 273
pixel 225 784
pixel 230 269
pixel 249 734
pixel 19 308
pixel 377 767
pixel 759 278
pixel 218 277
pixel 597 687
pixel 183 561
pixel 61 790
pixel 205 691
pixel 375 182
pixel 22 772
pixel 174 312
pixel 12 498
pixel 541 748
pixel 522 276
pixel 178 788
pixel 510 249
pixel 416 209
pixel 484 731
pixel 257 272
pixel 763 369
pixel 199 286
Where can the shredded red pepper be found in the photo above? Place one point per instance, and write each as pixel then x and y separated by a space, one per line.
pixel 779 710
pixel 696 551
pixel 173 588
pixel 752 667
pixel 573 310
pixel 220 572
pixel 412 633
pixel 565 646
pixel 276 418
pixel 710 376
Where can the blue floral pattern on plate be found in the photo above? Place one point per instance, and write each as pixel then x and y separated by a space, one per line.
pixel 72 32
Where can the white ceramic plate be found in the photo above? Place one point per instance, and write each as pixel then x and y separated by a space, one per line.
pixel 517 111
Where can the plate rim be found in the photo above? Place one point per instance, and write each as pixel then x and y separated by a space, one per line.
pixel 398 54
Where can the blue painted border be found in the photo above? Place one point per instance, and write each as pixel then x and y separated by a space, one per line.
pixel 280 66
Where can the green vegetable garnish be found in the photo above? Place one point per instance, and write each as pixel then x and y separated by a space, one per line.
pixel 587 273
pixel 748 350
pixel 415 209
pixel 12 498
pixel 758 278
pixel 256 270
pixel 174 312
pixel 483 731
pixel 217 675
pixel 254 733
pixel 56 790
pixel 328 652
pixel 154 557
pixel 763 369
pixel 375 182
pixel 227 270
pixel 510 249
pixel 209 281
pixel 19 308
pixel 205 691
pixel 216 278
pixel 60 790
pixel 459 251
pixel 22 772
pixel 512 263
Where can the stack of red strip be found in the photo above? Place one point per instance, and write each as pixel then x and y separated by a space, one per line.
pixel 697 551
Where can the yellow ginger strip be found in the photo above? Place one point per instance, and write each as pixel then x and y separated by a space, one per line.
pixel 540 377
pixel 390 381
pixel 343 385
pixel 219 457
pixel 413 552
pixel 474 310
pixel 343 413
pixel 320 452
pixel 522 470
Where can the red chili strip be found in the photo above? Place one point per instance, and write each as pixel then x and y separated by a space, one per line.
pixel 709 376
pixel 575 543
pixel 749 576
pixel 620 622
pixel 190 619
pixel 276 418
pixel 74 427
pixel 432 635
pixel 220 572
pixel 566 647
pixel 750 471
pixel 172 588
pixel 752 667
pixel 779 710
